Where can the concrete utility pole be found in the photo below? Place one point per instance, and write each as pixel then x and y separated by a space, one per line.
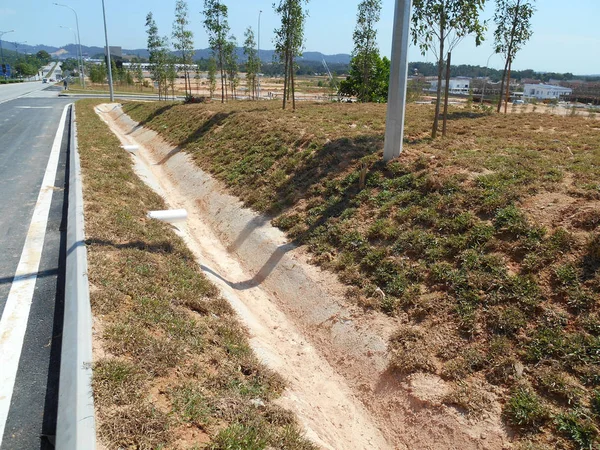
pixel 394 126
pixel 110 79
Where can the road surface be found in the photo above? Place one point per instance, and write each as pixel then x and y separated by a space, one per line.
pixel 33 153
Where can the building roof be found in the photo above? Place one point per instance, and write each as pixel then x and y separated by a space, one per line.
pixel 550 86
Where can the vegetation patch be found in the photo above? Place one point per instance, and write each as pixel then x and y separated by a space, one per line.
pixel 483 241
pixel 173 356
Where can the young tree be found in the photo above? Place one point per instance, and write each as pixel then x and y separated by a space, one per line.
pixel 158 55
pixel 217 27
pixel 252 62
pixel 439 25
pixel 231 65
pixel 183 41
pixel 212 76
pixel 379 80
pixel 365 45
pixel 171 75
pixel 198 77
pixel 513 29
pixel 289 40
pixel 139 74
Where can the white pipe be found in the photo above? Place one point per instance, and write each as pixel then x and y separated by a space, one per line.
pixel 171 216
pixel 130 148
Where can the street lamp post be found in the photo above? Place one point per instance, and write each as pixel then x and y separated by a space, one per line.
pixel 259 60
pixel 2 33
pixel 110 79
pixel 394 126
pixel 78 42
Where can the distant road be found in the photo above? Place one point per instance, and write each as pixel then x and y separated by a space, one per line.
pixel 13 91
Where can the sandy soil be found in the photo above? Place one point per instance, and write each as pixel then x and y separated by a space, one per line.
pixel 332 354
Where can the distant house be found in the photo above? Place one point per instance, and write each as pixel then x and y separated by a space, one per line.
pixel 459 85
pixel 545 91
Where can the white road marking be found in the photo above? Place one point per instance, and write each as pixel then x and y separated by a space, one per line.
pixel 18 304
pixel 34 107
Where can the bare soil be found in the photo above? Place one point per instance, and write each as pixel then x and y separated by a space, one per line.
pixel 333 355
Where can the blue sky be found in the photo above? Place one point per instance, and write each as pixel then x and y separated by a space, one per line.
pixel 566 34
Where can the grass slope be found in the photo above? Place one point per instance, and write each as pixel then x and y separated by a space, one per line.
pixel 174 369
pixel 484 245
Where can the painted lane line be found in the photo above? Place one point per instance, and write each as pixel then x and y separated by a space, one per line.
pixel 13 323
pixel 34 107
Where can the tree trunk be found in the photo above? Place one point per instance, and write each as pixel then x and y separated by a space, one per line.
pixel 499 106
pixel 436 118
pixel 509 53
pixel 447 91
pixel 285 79
pixel 507 88
pixel 293 88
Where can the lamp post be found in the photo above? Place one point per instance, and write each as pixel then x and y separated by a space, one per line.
pixel 2 33
pixel 110 80
pixel 259 60
pixel 394 125
pixel 78 42
pixel 17 47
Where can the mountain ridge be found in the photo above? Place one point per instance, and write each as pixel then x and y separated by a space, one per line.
pixel 90 51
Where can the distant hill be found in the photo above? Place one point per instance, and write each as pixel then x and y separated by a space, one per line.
pixel 70 51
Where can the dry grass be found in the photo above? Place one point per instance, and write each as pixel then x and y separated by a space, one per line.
pixel 487 240
pixel 175 356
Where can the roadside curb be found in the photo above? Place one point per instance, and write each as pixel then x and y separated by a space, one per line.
pixel 76 426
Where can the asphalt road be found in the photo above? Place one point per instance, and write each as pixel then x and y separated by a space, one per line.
pixel 29 125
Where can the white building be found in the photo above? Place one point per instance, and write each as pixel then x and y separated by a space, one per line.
pixel 459 85
pixel 545 91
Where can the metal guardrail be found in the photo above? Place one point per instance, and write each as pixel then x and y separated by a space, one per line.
pixel 76 426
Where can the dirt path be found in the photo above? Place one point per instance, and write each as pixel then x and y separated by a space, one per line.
pixel 333 355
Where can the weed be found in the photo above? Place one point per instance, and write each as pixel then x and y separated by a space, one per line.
pixel 469 361
pixel 409 352
pixel 238 436
pixel 579 429
pixel 116 382
pixel 506 320
pixel 190 404
pixel 468 398
pixel 557 385
pixel 525 409
pixel 511 220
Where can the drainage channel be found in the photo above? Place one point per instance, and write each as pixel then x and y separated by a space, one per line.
pixel 332 416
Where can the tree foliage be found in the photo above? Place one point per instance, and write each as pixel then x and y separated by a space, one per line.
pixel 43 56
pixel 439 25
pixel 217 27
pixel 366 53
pixel 289 41
pixel 513 30
pixel 183 41
pixel 379 81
